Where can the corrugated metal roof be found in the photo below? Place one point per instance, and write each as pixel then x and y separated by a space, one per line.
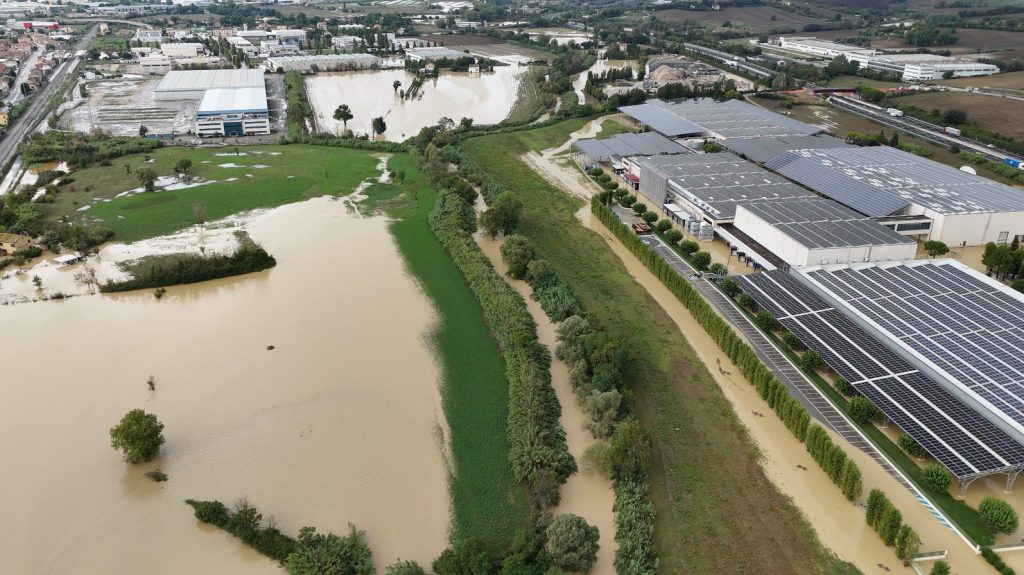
pixel 233 100
pixel 767 148
pixel 622 145
pixel 661 120
pixel 734 119
pixel 197 80
pixel 858 195
pixel 823 223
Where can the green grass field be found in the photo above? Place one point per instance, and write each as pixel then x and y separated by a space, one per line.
pixel 487 503
pixel 611 127
pixel 854 81
pixel 292 173
pixel 717 512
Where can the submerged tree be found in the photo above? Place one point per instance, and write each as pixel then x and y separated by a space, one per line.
pixel 146 177
pixel 379 126
pixel 343 113
pixel 139 435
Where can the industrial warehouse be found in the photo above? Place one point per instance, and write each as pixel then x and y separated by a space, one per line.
pixel 231 102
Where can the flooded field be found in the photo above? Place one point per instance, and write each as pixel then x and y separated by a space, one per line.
pixel 486 98
pixel 325 429
pixel 121 105
pixel 579 81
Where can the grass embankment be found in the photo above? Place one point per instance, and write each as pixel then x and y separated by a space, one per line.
pixel 530 100
pixel 296 173
pixel 717 511
pixel 611 127
pixel 487 503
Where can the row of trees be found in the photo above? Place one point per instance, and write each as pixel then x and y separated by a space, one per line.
pixel 247 258
pixel 887 521
pixel 830 457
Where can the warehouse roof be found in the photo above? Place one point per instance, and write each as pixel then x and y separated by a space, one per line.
pixel 821 223
pixel 729 119
pixel 435 53
pixel 196 80
pixel 233 100
pixel 716 183
pixel 880 180
pixel 661 120
pixel 769 147
pixel 621 145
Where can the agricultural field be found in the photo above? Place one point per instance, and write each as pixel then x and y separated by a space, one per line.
pixel 716 510
pixel 258 177
pixel 854 81
pixel 755 18
pixel 997 44
pixel 1007 81
pixel 992 113
pixel 494 49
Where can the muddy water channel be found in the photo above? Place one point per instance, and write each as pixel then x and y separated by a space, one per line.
pixel 486 98
pixel 341 422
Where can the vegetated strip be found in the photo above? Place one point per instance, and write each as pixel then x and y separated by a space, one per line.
pixel 487 503
pixel 193 268
pixel 717 511
pixel 596 363
pixel 832 459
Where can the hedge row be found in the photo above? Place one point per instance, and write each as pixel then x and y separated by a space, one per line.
pixel 883 517
pixel 555 296
pixel 996 561
pixel 634 530
pixel 843 471
pixel 187 269
pixel 537 449
pixel 246 524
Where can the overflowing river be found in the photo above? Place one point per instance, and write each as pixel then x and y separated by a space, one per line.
pixel 486 98
pixel 341 422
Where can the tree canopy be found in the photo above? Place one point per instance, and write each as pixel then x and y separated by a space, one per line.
pixel 139 435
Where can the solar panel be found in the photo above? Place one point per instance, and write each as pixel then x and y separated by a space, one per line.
pixel 960 438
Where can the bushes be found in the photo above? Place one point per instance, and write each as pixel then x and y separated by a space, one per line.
pixel 996 561
pixel 701 261
pixel 319 554
pixel 908 543
pixel 810 360
pixel 634 529
pixel 187 269
pixel 883 517
pixel 863 411
pixel 765 320
pixel 936 478
pixel 297 107
pixel 998 515
pixel 555 296
pixel 572 542
pixel 912 447
pixel 672 236
pixel 537 450
pixel 517 254
pixel 844 387
pixel 245 522
pixel 689 247
pixel 833 460
pixel 792 341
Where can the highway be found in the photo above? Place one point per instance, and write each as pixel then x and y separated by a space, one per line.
pixel 21 127
pixel 919 128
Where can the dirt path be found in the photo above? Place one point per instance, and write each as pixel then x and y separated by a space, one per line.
pixel 586 493
pixel 569 179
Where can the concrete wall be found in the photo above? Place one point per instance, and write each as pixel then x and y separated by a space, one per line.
pixel 975 229
pixel 653 185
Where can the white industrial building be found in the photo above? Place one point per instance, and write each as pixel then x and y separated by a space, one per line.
pixel 819 231
pixel 813 46
pixel 345 42
pixel 233 112
pixel 182 49
pixel 882 182
pixel 437 53
pixel 155 64
pixel 149 36
pixel 191 84
pixel 289 37
pixel 322 62
pixel 922 67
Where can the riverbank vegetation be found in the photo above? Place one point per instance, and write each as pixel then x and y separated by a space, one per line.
pixel 698 445
pixel 178 269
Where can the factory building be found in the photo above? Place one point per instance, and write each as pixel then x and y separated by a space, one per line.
pixel 182 49
pixel 438 53
pixel 921 67
pixel 233 112
pixel 192 84
pixel 710 119
pixel 322 62
pixel 814 47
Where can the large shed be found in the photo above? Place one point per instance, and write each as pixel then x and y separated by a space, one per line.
pixel 592 150
pixel 191 84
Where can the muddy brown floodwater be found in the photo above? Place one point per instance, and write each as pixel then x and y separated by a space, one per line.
pixel 340 423
pixel 486 98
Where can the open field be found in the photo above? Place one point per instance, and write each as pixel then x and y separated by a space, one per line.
pixel 259 177
pixel 717 512
pixel 854 81
pixel 1010 81
pixel 487 503
pixel 493 49
pixel 998 44
pixel 758 17
pixel 992 113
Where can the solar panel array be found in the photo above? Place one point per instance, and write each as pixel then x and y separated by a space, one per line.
pixel 885 173
pixel 821 223
pixel 735 119
pixel 957 436
pixel 763 149
pixel 717 183
pixel 622 145
pixel 947 315
pixel 661 120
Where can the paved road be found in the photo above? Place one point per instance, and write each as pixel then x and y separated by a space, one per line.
pixel 800 387
pixel 24 124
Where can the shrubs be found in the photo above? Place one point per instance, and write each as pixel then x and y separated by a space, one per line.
pixel 572 542
pixel 810 360
pixel 555 296
pixel 319 554
pixel 517 254
pixel 139 435
pixel 863 411
pixel 639 209
pixel 765 320
pixel 502 216
pixel 663 226
pixel 883 516
pixel 187 269
pixel 833 460
pixel 634 529
pixel 701 261
pixel 245 523
pixel 404 568
pixel 672 236
pixel 844 387
pixel 908 543
pixel 939 568
pixel 688 247
pixel 792 341
pixel 996 561
pixel 730 288
pixel 936 478
pixel 998 515
pixel 912 447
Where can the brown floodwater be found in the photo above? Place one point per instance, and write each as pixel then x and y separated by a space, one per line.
pixel 587 493
pixel 341 422
pixel 486 98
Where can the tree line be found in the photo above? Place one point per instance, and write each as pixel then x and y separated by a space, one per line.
pixel 190 268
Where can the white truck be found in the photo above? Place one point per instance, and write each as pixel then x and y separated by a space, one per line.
pixel 894 112
pixel 951 131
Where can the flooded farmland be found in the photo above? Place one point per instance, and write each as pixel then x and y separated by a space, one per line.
pixel 325 429
pixel 486 98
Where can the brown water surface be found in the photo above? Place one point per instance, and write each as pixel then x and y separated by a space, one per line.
pixel 340 423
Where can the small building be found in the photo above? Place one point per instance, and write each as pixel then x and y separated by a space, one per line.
pixel 614 149
pixel 68 259
pixel 233 112
pixel 149 36
pixel 155 64
pixel 345 42
pixel 290 37
pixel 182 49
pixel 819 231
pixel 10 243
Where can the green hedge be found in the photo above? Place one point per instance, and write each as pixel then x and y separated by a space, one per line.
pixel 188 269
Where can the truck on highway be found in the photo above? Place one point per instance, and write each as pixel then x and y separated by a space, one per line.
pixel 951 131
pixel 895 113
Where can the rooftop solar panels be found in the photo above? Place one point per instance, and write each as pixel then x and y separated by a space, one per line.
pixel 954 323
pixel 729 119
pixel 763 149
pixel 818 223
pixel 622 145
pixel 717 183
pixel 960 438
pixel 879 180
